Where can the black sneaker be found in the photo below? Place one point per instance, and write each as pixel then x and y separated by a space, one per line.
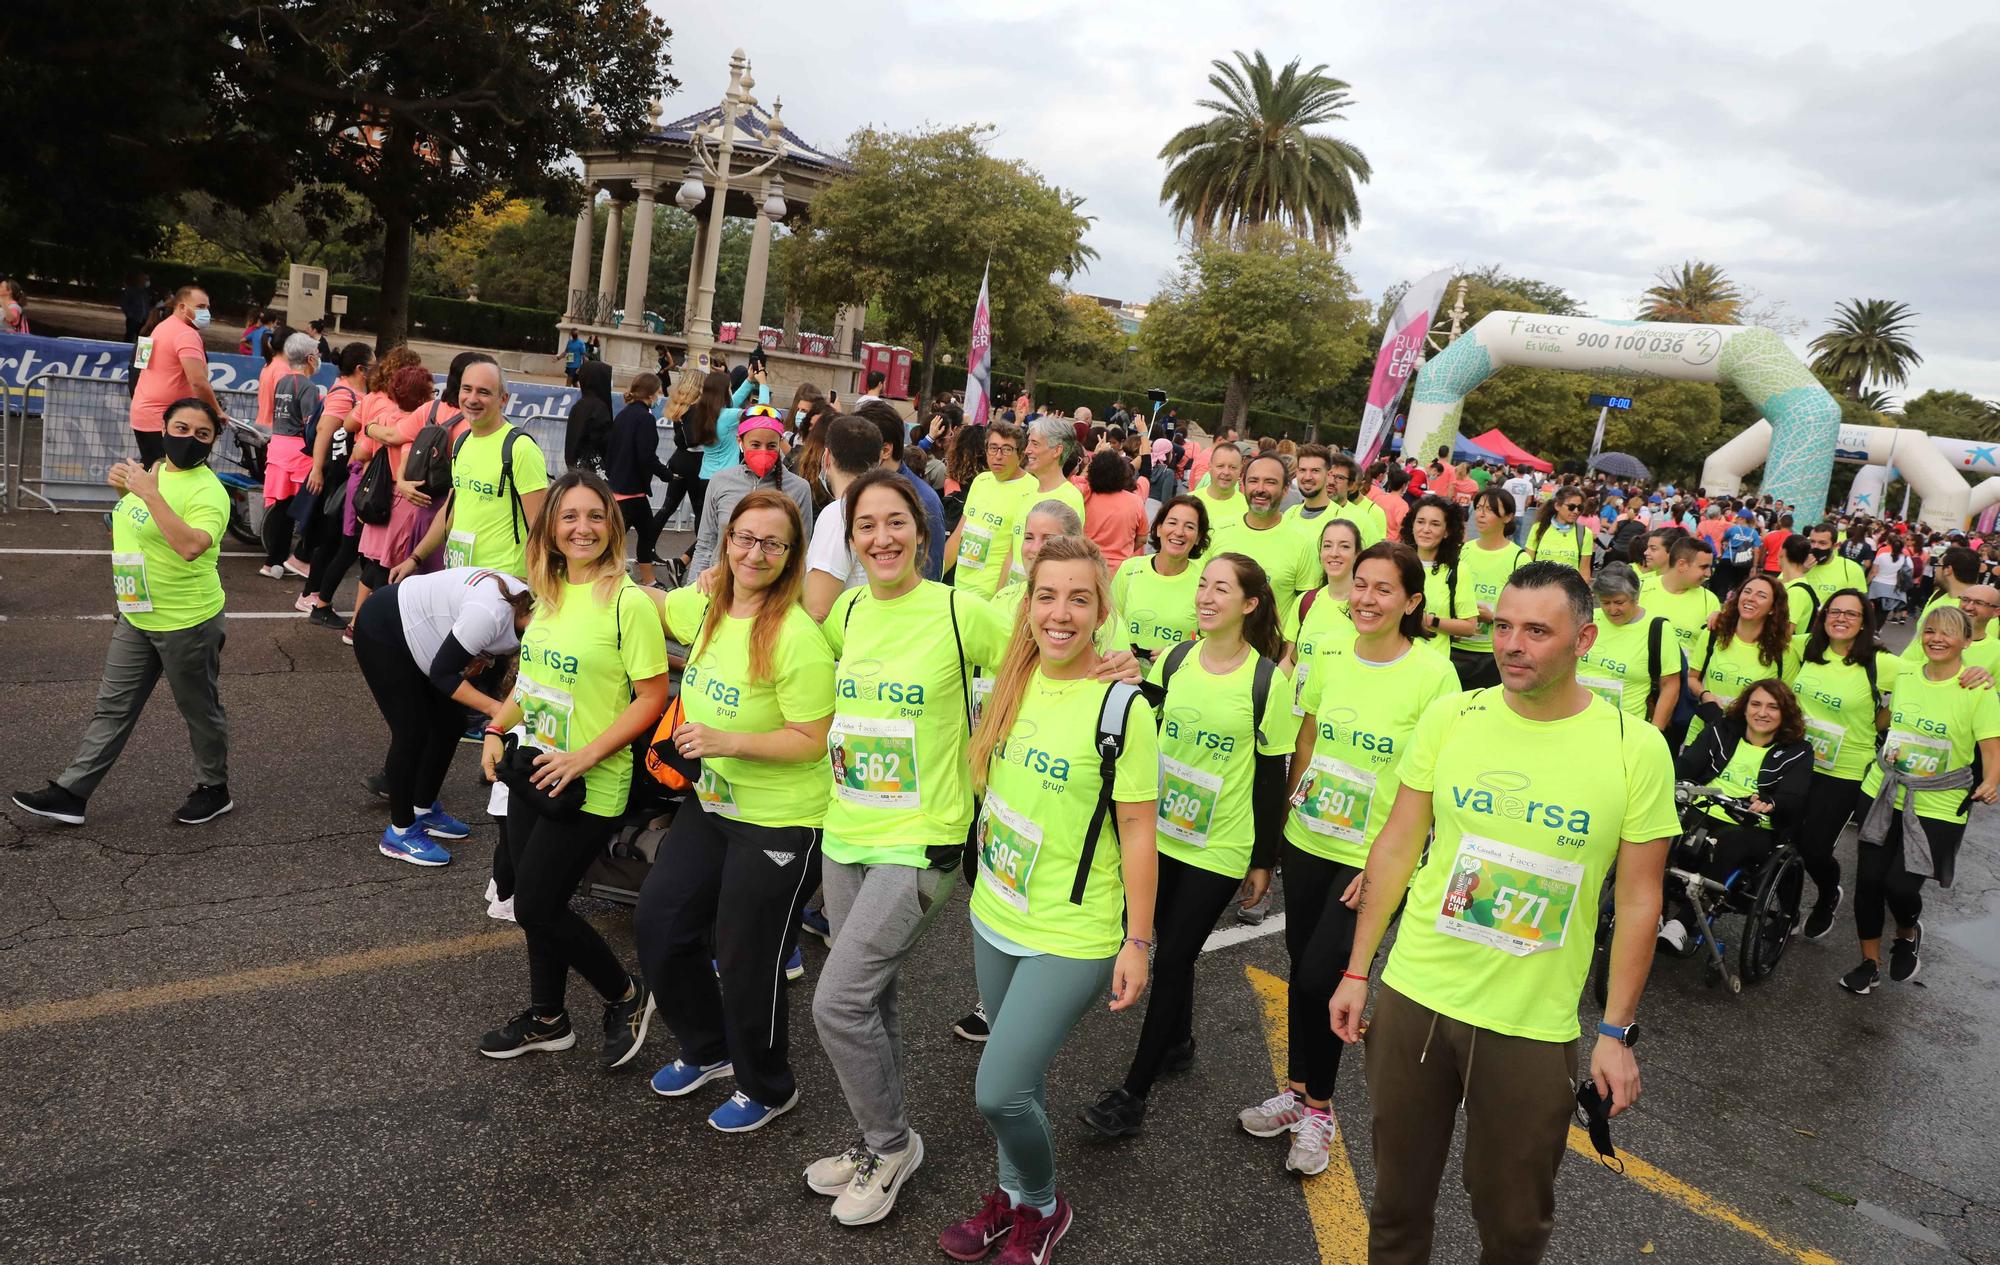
pixel 625 1024
pixel 973 1027
pixel 1119 1114
pixel 377 785
pixel 1863 978
pixel 1179 1059
pixel 1903 960
pixel 52 802
pixel 526 1033
pixel 1820 920
pixel 204 803
pixel 327 617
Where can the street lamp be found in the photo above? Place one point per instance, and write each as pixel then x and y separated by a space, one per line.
pixel 690 194
pixel 720 171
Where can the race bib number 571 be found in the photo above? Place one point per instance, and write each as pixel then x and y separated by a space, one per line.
pixel 1508 898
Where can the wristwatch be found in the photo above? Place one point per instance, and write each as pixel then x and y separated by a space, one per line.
pixel 1627 1036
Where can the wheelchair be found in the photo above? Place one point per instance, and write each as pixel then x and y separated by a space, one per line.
pixel 1765 897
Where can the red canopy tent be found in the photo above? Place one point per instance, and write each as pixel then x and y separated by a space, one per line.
pixel 1495 442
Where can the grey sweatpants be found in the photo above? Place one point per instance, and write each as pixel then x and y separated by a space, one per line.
pixel 191 660
pixel 877 914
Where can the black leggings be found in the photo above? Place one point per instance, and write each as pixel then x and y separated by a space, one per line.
pixel 1828 807
pixel 277 532
pixel 639 518
pixel 424 725
pixel 1881 882
pixel 330 562
pixel 1319 933
pixel 1188 901
pixel 550 859
pixel 694 489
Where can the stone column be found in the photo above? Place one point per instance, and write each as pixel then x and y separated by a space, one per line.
pixel 755 275
pixel 579 259
pixel 607 268
pixel 642 256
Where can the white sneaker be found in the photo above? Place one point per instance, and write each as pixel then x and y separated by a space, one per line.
pixel 1312 1142
pixel 1277 1114
pixel 872 1194
pixel 502 910
pixel 304 605
pixel 272 572
pixel 297 567
pixel 492 890
pixel 1673 935
pixel 830 1175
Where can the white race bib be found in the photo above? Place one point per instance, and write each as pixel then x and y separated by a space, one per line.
pixel 458 548
pixel 712 792
pixel 1610 689
pixel 545 714
pixel 874 761
pixel 1187 802
pixel 128 583
pixel 1826 738
pixel 974 544
pixel 1509 898
pixel 1009 845
pixel 1917 755
pixel 1334 797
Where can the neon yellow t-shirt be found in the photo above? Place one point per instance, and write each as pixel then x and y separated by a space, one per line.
pixel 1529 815
pixel 1279 549
pixel 1482 573
pixel 1154 611
pixel 1041 791
pixel 485 529
pixel 1221 513
pixel 1933 728
pixel 991 508
pixel 1556 543
pixel 1687 613
pixel 897 776
pixel 1739 777
pixel 1437 601
pixel 1366 515
pixel 1327 626
pixel 156 589
pixel 1363 717
pixel 1840 711
pixel 1206 765
pixel 1833 575
pixel 1029 497
pixel 1801 605
pixel 1617 667
pixel 578 662
pixel 717 690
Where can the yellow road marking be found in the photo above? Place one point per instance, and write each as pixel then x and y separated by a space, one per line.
pixel 1333 1199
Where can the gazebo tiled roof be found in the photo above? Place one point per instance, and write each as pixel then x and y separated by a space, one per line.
pixel 753 130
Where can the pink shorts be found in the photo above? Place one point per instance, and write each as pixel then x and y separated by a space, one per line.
pixel 286 465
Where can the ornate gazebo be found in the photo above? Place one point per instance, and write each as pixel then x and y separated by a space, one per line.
pixel 735 159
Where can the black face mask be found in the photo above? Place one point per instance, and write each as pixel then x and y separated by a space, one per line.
pixel 186 452
pixel 1822 555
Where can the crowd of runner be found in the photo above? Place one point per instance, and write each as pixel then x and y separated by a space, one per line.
pixel 1119 680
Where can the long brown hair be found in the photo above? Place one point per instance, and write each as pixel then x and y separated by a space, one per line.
pixel 1776 638
pixel 779 599
pixel 1024 653
pixel 548 569
pixel 714 399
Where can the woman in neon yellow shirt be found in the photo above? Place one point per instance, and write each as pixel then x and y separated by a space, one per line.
pixel 593 678
pixel 1046 453
pixel 1153 594
pixel 1362 705
pixel 1634 664
pixel 898 801
pixel 1044 951
pixel 1751 640
pixel 1435 528
pixel 1222 806
pixel 1318 621
pixel 1559 534
pixel 1483 568
pixel 743 851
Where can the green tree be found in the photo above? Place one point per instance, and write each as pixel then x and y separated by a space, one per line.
pixel 1696 293
pixel 1073 328
pixel 1866 342
pixel 1953 413
pixel 1264 306
pixel 912 227
pixel 321 225
pixel 1254 159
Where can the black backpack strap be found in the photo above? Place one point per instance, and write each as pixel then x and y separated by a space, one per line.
pixel 848 618
pixel 1451 588
pixel 1708 654
pixel 1112 719
pixel 964 669
pixel 1156 691
pixel 520 514
pixel 1260 698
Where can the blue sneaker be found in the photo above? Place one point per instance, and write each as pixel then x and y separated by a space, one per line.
pixel 678 1078
pixel 795 965
pixel 814 920
pixel 740 1115
pixel 415 847
pixel 439 824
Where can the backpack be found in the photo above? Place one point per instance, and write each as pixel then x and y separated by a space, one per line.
pixel 507 487
pixel 1112 718
pixel 428 464
pixel 375 495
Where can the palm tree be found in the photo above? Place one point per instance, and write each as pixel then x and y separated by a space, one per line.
pixel 1696 293
pixel 1867 342
pixel 1254 161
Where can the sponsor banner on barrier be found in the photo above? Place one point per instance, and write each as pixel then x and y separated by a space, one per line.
pixel 25 356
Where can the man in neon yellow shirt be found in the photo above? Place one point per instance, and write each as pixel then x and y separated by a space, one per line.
pixel 1310 473
pixel 1350 501
pixel 1535 788
pixel 1830 572
pixel 992 504
pixel 1683 596
pixel 485 524
pixel 1264 534
pixel 1222 497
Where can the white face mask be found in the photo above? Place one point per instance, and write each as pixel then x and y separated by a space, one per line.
pixel 202 316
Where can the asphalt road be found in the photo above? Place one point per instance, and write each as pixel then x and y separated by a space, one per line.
pixel 255 1041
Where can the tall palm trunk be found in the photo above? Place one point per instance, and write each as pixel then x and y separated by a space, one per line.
pixel 1236 401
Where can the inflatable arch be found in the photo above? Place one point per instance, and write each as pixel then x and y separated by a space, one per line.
pixel 1752 359
pixel 1930 474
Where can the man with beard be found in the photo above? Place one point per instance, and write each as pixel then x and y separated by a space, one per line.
pixel 1266 535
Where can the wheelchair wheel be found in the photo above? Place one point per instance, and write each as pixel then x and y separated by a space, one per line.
pixel 1773 914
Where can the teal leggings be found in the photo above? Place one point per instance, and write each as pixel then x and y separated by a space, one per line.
pixel 1050 995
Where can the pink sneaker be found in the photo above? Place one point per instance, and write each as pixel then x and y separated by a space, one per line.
pixel 1033 1241
pixel 972 1238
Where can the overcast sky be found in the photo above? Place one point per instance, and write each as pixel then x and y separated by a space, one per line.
pixel 1818 151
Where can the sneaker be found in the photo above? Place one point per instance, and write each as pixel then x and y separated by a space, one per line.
pixel 347 634
pixel 795 965
pixel 1034 1236
pixel 305 605
pixel 1279 1113
pixel 527 1032
pixel 439 824
pixel 1312 1143
pixel 377 785
pixel 678 1078
pixel 1863 978
pixel 1179 1059
pixel 204 803
pixel 52 802
pixel 1903 959
pixel 1253 915
pixel 273 572
pixel 625 1024
pixel 829 1175
pixel 871 1195
pixel 974 1027
pixel 1820 920
pixel 814 920
pixel 503 910
pixel 1673 935
pixel 298 568
pixel 1119 1114
pixel 741 1114
pixel 972 1238
pixel 327 617
pixel 412 845
pixel 475 732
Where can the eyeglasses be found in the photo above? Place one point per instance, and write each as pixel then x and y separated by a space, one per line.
pixel 770 548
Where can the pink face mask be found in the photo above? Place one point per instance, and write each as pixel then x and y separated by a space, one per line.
pixel 760 462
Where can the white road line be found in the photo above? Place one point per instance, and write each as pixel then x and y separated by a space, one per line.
pixel 1228 936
